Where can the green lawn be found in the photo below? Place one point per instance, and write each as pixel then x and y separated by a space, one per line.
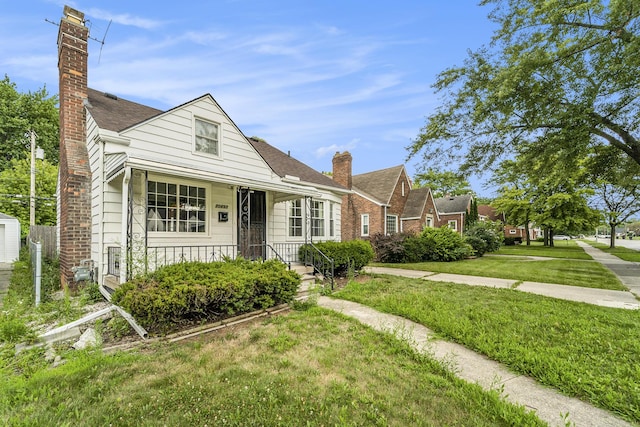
pixel 585 351
pixel 573 272
pixel 561 249
pixel 313 367
pixel 622 253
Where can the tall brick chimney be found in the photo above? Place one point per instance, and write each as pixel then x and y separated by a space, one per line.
pixel 342 169
pixel 75 174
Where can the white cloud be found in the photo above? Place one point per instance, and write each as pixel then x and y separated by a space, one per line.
pixel 334 148
pixel 124 19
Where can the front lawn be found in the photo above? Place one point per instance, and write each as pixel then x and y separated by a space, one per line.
pixel 313 367
pixel 561 249
pixel 582 350
pixel 590 274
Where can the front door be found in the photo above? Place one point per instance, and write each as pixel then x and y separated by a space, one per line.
pixel 252 223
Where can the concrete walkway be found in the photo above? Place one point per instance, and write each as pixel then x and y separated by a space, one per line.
pixel 549 405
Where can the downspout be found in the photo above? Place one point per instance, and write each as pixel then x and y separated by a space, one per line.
pixel 384 220
pixel 124 262
pixel 102 264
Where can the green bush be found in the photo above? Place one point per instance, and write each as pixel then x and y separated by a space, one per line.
pixel 389 248
pixel 353 254
pixel 206 291
pixel 444 244
pixel 483 238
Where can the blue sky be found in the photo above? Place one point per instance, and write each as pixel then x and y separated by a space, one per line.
pixel 310 77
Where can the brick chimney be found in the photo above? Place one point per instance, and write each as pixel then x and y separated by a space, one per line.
pixel 342 169
pixel 75 174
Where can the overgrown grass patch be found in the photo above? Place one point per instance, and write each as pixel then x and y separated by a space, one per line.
pixel 590 274
pixel 312 367
pixel 585 351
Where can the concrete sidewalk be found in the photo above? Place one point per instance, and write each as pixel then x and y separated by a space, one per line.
pixel 628 272
pixel 5 277
pixel 549 405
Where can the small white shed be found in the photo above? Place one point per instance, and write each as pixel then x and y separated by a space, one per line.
pixel 9 238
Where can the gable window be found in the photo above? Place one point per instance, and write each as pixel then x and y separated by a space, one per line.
pixel 429 222
pixel 295 218
pixel 176 208
pixel 453 224
pixel 207 137
pixel 317 221
pixel 364 224
pixel 392 224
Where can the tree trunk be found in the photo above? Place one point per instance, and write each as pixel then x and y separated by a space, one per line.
pixel 526 230
pixel 612 239
pixel 550 237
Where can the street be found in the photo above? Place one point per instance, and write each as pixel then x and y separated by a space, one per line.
pixel 623 243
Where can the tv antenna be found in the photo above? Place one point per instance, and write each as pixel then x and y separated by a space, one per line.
pixel 92 38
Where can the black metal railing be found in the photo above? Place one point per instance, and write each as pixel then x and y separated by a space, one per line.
pixel 321 263
pixel 289 251
pixel 158 256
pixel 113 260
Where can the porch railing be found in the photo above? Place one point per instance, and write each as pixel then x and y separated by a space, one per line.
pixel 321 263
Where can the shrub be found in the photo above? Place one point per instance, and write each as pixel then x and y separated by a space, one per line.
pixel 206 291
pixel 483 238
pixel 353 254
pixel 389 248
pixel 444 244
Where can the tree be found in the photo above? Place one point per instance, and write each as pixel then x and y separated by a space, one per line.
pixel 15 185
pixel 442 183
pixel 564 74
pixel 22 112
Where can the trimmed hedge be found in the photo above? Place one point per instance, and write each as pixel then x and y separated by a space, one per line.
pixel 206 291
pixel 352 254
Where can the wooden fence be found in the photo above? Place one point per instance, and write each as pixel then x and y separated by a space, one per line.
pixel 46 235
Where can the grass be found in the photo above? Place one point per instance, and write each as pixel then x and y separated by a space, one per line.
pixel 590 274
pixel 561 249
pixel 313 367
pixel 585 351
pixel 623 253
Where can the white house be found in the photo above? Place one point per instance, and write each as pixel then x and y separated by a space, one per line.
pixel 9 238
pixel 173 185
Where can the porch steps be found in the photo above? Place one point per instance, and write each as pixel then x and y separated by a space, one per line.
pixel 308 279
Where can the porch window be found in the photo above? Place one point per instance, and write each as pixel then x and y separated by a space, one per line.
pixel 317 221
pixel 331 220
pixel 295 218
pixel 364 225
pixel 207 137
pixel 392 224
pixel 176 207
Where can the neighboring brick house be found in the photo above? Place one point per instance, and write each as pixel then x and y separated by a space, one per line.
pixel 452 211
pixel 486 212
pixel 381 201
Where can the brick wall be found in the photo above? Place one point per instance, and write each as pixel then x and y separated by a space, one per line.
pixel 75 174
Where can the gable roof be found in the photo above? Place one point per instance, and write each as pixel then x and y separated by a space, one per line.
pixel 490 213
pixel 416 202
pixel 378 184
pixel 453 204
pixel 284 165
pixel 116 114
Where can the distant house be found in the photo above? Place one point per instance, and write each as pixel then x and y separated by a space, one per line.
pixel 486 212
pixel 141 186
pixel 453 210
pixel 381 202
pixel 9 238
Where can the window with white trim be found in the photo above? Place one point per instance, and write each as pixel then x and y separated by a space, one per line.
pixel 173 207
pixel 392 224
pixel 207 137
pixel 317 221
pixel 453 224
pixel 295 218
pixel 364 224
pixel 332 230
pixel 429 223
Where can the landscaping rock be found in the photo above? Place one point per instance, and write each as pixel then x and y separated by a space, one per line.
pixel 88 339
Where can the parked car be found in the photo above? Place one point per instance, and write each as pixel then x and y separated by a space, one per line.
pixel 561 237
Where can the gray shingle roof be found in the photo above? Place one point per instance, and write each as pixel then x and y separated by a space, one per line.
pixel 283 164
pixel 454 204
pixel 116 114
pixel 378 184
pixel 416 202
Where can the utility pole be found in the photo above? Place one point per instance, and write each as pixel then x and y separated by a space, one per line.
pixel 32 194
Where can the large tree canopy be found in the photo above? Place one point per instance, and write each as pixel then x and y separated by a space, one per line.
pixel 442 183
pixel 21 113
pixel 562 73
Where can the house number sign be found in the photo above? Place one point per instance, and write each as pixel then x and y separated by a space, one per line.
pixel 222 206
